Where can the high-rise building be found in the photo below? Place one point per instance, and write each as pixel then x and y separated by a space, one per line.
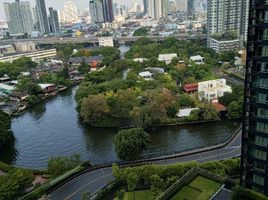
pixel 227 15
pixel 190 8
pixel 42 19
pixel 19 17
pixel 254 160
pixel 108 14
pixel 70 12
pixel 157 8
pixel 53 19
pixel 181 5
pixel 145 6
pixel 96 11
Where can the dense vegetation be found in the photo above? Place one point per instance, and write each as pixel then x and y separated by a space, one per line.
pixel 117 96
pixel 140 32
pixel 239 193
pixel 6 136
pixel 14 182
pixel 159 177
pixel 130 144
pixel 14 68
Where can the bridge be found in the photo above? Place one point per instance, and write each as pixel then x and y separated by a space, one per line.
pixel 95 40
pixel 96 179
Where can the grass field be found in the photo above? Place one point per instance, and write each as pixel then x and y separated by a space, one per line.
pixel 199 189
pixel 139 195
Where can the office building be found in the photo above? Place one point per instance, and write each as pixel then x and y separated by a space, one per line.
pixel 108 14
pixel 227 15
pixel 181 5
pixel 145 6
pixel 53 19
pixel 254 160
pixel 157 8
pixel 42 19
pixel 96 11
pixel 19 17
pixel 70 13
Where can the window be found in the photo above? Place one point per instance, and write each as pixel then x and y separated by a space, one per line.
pixel 260 154
pixel 262 98
pixel 259 167
pixel 261 141
pixel 262 127
pixel 265 34
pixel 264 51
pixel 262 67
pixel 262 113
pixel 257 179
pixel 262 82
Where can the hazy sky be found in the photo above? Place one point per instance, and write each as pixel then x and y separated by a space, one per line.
pixel 58 4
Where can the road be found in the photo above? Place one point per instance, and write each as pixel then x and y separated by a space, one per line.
pixel 54 40
pixel 95 180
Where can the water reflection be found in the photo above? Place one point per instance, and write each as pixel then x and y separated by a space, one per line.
pixel 9 153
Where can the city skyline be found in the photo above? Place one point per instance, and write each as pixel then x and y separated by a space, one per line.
pixel 60 3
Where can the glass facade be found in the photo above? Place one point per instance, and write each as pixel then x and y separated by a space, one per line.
pixel 254 162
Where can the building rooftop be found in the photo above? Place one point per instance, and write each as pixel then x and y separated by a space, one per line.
pixel 44 86
pixel 198 57
pixel 185 112
pixel 7 87
pixel 86 59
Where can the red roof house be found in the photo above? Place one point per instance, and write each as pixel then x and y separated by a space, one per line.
pixel 191 87
pixel 219 107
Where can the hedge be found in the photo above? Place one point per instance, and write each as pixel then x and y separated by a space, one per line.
pixel 239 193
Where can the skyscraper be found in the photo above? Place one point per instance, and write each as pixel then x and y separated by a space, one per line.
pixel 226 15
pixel 108 14
pixel 254 160
pixel 19 17
pixel 42 19
pixel 157 8
pixel 145 6
pixel 70 12
pixel 96 11
pixel 54 25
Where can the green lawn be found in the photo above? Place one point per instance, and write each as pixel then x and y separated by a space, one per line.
pixel 139 195
pixel 200 188
pixel 186 193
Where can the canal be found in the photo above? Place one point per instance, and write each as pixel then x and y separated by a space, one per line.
pixel 52 128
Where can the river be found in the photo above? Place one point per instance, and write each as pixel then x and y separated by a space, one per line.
pixel 52 128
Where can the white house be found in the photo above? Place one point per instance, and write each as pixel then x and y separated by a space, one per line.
pixel 106 41
pixel 211 90
pixel 167 58
pixel 197 59
pixel 141 60
pixel 185 112
pixel 146 75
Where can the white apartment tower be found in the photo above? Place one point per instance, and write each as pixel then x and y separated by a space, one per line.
pixel 223 15
pixel 157 8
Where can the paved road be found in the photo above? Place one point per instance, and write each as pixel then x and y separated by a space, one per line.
pixel 53 40
pixel 95 180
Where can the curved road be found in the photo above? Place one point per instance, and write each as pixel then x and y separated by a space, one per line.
pixel 95 180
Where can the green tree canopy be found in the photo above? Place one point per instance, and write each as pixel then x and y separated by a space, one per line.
pixel 130 144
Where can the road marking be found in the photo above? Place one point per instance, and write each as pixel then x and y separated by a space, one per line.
pixel 96 179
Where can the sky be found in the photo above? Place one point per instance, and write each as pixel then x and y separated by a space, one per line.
pixel 58 4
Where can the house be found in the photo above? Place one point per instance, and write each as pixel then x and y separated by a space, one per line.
pixel 219 107
pixel 47 88
pixel 167 58
pixel 197 59
pixel 156 70
pixel 6 89
pixel 146 75
pixel 185 112
pixel 141 60
pixel 18 96
pixel 91 61
pixel 4 79
pixel 190 88
pixel 10 107
pixel 211 90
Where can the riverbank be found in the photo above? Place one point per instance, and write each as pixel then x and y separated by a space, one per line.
pixel 46 97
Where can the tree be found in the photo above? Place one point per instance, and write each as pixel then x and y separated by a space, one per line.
pixel 121 194
pixel 94 109
pixel 235 110
pixel 86 195
pixel 141 32
pixel 6 135
pixel 130 144
pixel 83 68
pixel 157 185
pixel 132 180
pixel 26 84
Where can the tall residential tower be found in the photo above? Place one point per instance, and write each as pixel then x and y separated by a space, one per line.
pixel 19 17
pixel 42 19
pixel 254 160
